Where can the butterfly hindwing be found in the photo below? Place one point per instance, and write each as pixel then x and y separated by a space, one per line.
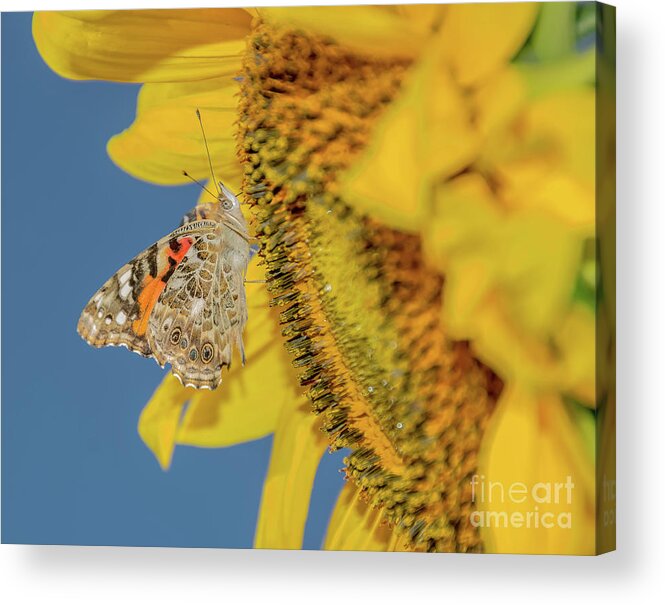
pixel 201 314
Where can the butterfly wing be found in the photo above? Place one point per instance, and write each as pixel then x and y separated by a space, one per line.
pixel 118 313
pixel 201 313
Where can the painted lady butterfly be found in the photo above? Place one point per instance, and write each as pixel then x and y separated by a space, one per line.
pixel 181 301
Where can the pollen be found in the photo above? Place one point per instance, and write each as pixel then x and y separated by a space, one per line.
pixel 360 309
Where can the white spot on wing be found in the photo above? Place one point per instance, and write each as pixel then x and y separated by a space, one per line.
pixel 125 276
pixel 124 291
pixel 197 306
pixel 121 318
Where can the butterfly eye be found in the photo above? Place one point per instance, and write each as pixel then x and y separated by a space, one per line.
pixel 227 204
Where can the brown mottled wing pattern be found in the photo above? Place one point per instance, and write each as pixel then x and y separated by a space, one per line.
pixel 108 317
pixel 201 314
pixel 117 315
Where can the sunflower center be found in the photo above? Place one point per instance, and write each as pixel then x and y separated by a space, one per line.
pixel 360 309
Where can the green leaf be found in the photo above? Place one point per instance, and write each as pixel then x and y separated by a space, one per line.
pixel 555 34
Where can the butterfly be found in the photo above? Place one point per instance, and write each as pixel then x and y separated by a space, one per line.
pixel 182 300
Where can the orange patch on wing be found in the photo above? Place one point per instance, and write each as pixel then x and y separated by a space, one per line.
pixel 154 286
pixel 179 254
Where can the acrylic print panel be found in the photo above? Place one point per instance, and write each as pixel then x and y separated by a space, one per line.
pixel 386 319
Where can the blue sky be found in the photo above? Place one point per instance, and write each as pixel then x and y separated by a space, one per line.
pixel 74 470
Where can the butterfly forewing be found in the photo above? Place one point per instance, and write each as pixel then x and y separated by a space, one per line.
pixel 177 302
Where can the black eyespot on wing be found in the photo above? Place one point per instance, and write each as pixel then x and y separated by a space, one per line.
pixel 175 336
pixel 207 352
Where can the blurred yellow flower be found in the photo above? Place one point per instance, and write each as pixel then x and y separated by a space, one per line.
pixel 499 183
pixel 381 148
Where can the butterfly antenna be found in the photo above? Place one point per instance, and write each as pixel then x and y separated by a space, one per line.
pixel 189 176
pixel 205 141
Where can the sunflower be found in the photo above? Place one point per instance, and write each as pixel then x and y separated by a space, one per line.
pixel 421 180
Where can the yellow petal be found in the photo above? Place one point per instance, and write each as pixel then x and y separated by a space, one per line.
pixel 354 525
pixel 535 182
pixel 497 103
pixel 478 38
pixel 562 363
pixel 142 45
pixel 378 30
pixel 566 120
pixel 160 418
pixel 425 134
pixel 423 18
pixel 461 239
pixel 550 164
pixel 539 264
pixel 250 399
pixel 526 262
pixel 166 138
pixel 297 448
pixel 532 451
pixel 510 278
